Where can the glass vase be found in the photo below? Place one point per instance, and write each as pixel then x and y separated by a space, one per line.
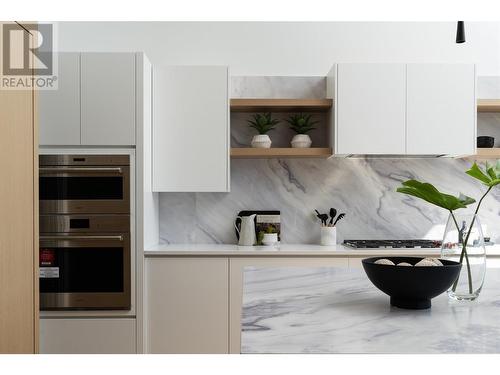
pixel 463 242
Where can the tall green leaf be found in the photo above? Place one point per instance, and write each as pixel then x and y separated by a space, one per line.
pixel 430 194
pixel 489 178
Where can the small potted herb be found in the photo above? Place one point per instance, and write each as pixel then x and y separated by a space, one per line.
pixel 270 237
pixel 301 124
pixel 262 123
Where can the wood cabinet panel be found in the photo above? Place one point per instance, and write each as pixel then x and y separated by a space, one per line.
pixel 18 219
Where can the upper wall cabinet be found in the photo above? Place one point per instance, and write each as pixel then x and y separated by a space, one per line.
pixel 59 110
pixel 405 109
pixel 371 109
pixel 441 109
pixel 108 98
pixel 190 129
pixel 95 103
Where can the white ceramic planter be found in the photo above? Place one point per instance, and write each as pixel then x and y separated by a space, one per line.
pixel 328 236
pixel 301 141
pixel 270 239
pixel 261 141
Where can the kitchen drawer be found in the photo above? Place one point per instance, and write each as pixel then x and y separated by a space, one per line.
pixel 87 336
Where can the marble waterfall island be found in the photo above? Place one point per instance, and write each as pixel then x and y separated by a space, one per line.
pixel 338 310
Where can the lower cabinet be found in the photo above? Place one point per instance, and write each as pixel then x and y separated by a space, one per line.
pixel 187 305
pixel 193 304
pixel 87 336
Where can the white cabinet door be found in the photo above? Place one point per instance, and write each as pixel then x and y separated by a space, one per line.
pixel 59 110
pixel 190 129
pixel 371 109
pixel 87 336
pixel 236 285
pixel 187 305
pixel 108 98
pixel 441 109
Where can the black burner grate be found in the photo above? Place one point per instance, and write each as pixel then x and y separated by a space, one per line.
pixel 395 244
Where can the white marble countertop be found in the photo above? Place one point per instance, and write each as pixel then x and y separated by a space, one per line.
pixel 284 250
pixel 338 310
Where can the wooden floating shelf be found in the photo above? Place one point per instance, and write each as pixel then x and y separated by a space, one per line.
pixel 488 105
pixel 487 153
pixel 281 105
pixel 319 105
pixel 258 153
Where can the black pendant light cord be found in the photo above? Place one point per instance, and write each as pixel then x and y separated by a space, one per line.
pixel 460 32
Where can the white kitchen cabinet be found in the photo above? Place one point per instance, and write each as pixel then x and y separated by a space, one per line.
pixel 87 336
pixel 236 269
pixel 370 107
pixel 187 305
pixel 59 109
pixel 190 129
pixel 108 99
pixel 441 109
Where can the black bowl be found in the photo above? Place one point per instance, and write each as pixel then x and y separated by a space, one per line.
pixel 485 142
pixel 411 287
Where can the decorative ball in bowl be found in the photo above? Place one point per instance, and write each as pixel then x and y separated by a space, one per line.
pixel 411 282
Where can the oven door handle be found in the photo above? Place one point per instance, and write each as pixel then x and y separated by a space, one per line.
pixel 52 170
pixel 59 238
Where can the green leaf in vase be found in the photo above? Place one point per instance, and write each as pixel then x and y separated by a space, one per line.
pixel 430 194
pixel 489 178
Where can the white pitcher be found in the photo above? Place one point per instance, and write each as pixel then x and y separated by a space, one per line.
pixel 246 230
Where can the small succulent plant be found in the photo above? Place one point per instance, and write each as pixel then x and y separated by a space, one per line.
pixel 301 123
pixel 263 122
pixel 271 229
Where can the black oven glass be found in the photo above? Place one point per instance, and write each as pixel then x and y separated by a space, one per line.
pixel 81 270
pixel 81 188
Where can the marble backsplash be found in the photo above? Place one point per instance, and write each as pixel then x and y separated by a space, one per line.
pixel 362 188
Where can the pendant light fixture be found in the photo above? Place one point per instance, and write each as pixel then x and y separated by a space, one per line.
pixel 460 32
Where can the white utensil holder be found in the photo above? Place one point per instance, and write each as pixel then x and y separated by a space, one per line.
pixel 328 236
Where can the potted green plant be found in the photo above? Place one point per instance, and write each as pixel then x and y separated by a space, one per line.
pixel 301 124
pixel 270 236
pixel 463 239
pixel 262 122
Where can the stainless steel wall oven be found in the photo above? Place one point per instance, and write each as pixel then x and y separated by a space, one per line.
pixel 85 249
pixel 73 184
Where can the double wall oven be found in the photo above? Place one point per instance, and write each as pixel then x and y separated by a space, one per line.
pixel 85 248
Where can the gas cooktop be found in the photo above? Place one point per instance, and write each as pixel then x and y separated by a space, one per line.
pixel 393 244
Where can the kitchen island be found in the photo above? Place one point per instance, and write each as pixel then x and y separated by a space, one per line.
pixel 338 310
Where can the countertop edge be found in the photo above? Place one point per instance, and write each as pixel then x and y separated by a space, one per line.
pixel 286 250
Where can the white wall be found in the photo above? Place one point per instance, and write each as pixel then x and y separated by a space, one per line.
pixel 288 48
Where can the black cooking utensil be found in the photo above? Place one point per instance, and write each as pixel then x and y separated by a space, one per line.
pixel 340 217
pixel 333 213
pixel 322 217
